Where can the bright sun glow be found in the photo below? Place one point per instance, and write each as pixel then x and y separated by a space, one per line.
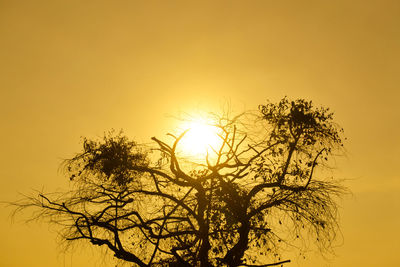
pixel 201 137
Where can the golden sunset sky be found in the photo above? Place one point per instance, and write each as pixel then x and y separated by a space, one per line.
pixel 79 68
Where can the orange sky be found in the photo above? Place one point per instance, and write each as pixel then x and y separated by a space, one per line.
pixel 70 69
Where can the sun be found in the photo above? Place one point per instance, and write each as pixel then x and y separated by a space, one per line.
pixel 201 138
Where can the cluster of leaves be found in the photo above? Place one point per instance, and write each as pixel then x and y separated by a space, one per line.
pixel 299 119
pixel 112 158
pixel 255 197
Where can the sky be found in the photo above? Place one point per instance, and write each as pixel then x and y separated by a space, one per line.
pixel 79 68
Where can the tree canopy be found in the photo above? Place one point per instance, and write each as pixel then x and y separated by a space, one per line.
pixel 263 188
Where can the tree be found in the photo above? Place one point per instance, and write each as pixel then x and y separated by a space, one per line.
pixel 260 189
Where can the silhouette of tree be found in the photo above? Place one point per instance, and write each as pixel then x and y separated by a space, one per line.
pixel 259 191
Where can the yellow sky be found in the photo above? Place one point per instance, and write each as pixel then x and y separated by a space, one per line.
pixel 78 68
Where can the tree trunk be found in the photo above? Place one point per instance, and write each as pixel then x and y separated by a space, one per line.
pixel 234 256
